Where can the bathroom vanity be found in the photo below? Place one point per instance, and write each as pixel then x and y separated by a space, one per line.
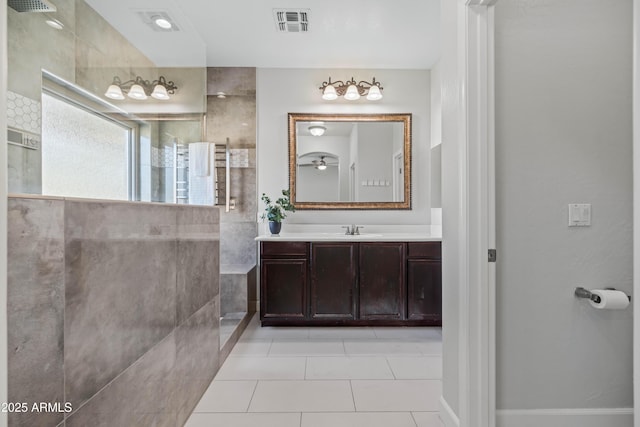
pixel 333 279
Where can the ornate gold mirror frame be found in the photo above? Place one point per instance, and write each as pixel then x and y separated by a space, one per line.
pixel 405 119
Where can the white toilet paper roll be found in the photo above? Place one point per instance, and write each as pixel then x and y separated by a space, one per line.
pixel 610 300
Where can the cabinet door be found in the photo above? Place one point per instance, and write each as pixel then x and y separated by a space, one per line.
pixel 381 280
pixel 283 288
pixel 333 280
pixel 424 289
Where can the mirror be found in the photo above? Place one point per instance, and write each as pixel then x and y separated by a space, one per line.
pixel 350 161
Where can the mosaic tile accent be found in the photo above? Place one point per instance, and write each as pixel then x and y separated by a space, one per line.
pixel 162 157
pixel 24 113
pixel 239 158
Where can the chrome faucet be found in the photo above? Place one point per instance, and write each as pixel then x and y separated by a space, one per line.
pixel 353 231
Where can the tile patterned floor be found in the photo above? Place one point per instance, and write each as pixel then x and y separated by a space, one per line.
pixel 327 377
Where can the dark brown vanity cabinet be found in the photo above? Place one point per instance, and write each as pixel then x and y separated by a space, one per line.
pixel 283 280
pixel 350 283
pixel 333 281
pixel 424 282
pixel 381 281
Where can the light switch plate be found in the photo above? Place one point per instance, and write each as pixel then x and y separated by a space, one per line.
pixel 579 214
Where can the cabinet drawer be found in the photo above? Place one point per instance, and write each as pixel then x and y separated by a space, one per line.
pixel 424 250
pixel 284 248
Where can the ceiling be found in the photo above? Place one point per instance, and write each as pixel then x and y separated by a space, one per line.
pixel 400 34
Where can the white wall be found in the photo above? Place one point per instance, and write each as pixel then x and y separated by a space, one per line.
pixel 452 139
pixel 281 91
pixel 563 135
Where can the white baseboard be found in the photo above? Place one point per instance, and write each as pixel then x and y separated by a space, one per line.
pixel 596 417
pixel 448 417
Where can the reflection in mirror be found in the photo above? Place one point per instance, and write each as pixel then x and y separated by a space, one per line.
pixel 86 147
pixel 350 161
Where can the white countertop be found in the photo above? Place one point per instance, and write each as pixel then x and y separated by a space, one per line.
pixel 341 237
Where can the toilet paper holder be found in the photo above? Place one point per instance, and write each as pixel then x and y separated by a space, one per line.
pixel 581 292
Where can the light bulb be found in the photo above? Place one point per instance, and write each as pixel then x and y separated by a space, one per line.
pixel 162 23
pixel 329 93
pixel 160 92
pixel 114 92
pixel 321 167
pixel 374 93
pixel 352 93
pixel 137 92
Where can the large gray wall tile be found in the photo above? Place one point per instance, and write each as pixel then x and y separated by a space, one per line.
pixel 197 357
pixel 35 307
pixel 144 395
pixel 198 259
pixel 237 242
pixel 120 289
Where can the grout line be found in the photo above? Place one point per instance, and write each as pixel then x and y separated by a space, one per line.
pixel 353 397
pixel 413 418
pixel 391 368
pixel 306 363
pixel 252 394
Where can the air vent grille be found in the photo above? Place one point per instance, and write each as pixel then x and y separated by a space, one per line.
pixel 32 5
pixel 292 20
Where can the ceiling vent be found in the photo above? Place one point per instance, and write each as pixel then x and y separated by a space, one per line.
pixel 292 20
pixel 151 18
pixel 32 5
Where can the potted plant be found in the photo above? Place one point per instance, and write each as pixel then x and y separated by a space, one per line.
pixel 276 212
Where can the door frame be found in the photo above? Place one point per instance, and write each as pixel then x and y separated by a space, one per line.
pixel 636 209
pixel 475 223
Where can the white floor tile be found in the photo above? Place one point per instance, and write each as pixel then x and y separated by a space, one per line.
pixel 417 333
pixel 306 348
pixel 252 349
pixel 427 419
pixel 302 396
pixel 341 333
pixel 396 395
pixel 358 419
pixel 416 368
pixel 270 332
pixel 227 396
pixel 262 368
pixel 431 348
pixel 381 348
pixel 347 368
pixel 244 420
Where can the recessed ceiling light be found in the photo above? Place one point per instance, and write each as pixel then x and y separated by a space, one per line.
pixel 162 22
pixel 54 23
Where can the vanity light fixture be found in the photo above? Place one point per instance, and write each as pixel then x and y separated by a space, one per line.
pixel 317 128
pixel 351 90
pixel 140 89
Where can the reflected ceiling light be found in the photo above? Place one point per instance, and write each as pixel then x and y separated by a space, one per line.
pixel 317 128
pixel 140 89
pixel 351 90
pixel 54 23
pixel 221 95
pixel 322 166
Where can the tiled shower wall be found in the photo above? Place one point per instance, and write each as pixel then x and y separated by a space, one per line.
pixel 234 117
pixel 113 309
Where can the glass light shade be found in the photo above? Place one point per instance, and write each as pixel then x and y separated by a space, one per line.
pixel 137 92
pixel 160 92
pixel 114 92
pixel 352 93
pixel 321 167
pixel 317 130
pixel 329 93
pixel 374 93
